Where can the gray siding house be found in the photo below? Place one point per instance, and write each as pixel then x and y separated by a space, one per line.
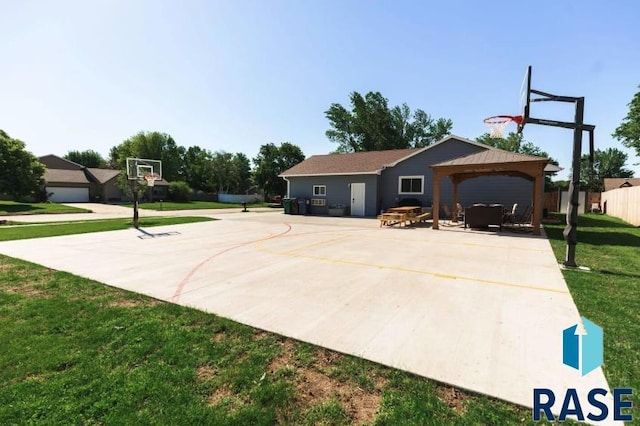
pixel 368 182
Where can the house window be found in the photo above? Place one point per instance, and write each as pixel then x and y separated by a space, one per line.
pixel 411 185
pixel 319 190
pixel 320 202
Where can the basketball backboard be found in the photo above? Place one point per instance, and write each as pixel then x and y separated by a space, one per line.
pixel 525 98
pixel 138 168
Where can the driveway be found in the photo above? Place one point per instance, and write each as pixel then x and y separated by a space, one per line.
pixel 480 311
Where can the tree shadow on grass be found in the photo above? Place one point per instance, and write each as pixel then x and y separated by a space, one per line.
pixel 616 273
pixel 609 238
pixel 17 208
pixel 594 221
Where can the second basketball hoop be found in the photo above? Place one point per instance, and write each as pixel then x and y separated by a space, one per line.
pixel 497 124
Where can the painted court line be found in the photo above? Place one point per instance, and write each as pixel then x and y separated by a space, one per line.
pixel 258 246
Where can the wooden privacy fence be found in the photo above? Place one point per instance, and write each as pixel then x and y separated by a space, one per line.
pixel 623 203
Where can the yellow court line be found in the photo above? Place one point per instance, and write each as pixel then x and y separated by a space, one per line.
pixel 452 244
pixel 318 244
pixel 258 246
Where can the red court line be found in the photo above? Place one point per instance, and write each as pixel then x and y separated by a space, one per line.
pixel 186 279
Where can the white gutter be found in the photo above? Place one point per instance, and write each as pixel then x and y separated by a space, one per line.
pixel 288 186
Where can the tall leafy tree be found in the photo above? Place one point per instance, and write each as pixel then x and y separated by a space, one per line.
pixel 629 130
pixel 514 142
pixel 154 146
pixel 88 158
pixel 273 160
pixel 196 168
pixel 241 173
pixel 608 163
pixel 21 174
pixel 372 125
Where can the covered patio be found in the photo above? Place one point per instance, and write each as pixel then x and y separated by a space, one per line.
pixel 491 163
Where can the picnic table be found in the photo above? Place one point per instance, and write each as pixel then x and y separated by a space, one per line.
pixel 403 215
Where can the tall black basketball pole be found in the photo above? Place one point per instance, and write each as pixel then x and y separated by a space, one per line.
pixel 571 230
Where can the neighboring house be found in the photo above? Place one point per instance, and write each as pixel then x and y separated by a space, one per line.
pixel 65 181
pixel 69 182
pixel 104 185
pixel 369 182
pixel 615 183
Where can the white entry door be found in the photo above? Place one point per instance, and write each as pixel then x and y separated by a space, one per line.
pixel 357 199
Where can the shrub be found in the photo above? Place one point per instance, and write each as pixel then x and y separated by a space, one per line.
pixel 179 191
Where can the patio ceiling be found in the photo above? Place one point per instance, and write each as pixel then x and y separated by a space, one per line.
pixel 491 163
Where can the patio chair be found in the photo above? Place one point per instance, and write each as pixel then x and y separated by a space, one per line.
pixel 510 217
pixel 460 212
pixel 525 217
pixel 448 216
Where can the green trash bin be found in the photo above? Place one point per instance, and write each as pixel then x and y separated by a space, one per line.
pixel 286 203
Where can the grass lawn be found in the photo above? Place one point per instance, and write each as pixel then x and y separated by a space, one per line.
pixel 51 229
pixel 14 208
pixel 193 205
pixel 609 295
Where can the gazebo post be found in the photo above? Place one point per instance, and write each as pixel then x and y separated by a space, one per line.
pixel 435 209
pixel 454 207
pixel 538 187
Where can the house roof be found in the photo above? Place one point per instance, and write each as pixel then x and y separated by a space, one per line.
pixel 614 183
pixel 369 162
pixel 103 175
pixel 53 176
pixel 54 162
pixel 490 156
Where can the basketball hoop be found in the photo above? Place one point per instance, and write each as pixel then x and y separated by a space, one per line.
pixel 497 123
pixel 151 179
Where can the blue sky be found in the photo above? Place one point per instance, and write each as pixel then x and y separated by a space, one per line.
pixel 234 75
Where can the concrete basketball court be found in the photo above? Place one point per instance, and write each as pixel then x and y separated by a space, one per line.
pixel 478 310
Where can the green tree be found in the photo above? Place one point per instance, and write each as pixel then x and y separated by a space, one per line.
pixel 273 160
pixel 514 142
pixel 196 168
pixel 608 163
pixel 88 158
pixel 240 173
pixel 154 146
pixel 372 125
pixel 629 130
pixel 21 174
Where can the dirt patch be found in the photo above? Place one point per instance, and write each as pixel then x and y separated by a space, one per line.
pixel 6 267
pixel 219 336
pixel 218 395
pixel 131 303
pixel 26 289
pixel 286 359
pixel 454 398
pixel 205 373
pixel 260 335
pixel 314 386
pixel 327 359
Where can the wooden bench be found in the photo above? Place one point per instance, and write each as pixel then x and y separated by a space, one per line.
pixel 390 219
pixel 421 217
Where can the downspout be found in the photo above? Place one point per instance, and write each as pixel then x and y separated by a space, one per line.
pixel 288 186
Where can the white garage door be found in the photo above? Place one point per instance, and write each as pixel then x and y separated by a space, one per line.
pixel 68 195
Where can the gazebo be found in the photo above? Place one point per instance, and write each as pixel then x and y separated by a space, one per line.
pixel 490 163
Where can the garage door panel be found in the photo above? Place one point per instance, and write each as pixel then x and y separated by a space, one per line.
pixel 68 195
